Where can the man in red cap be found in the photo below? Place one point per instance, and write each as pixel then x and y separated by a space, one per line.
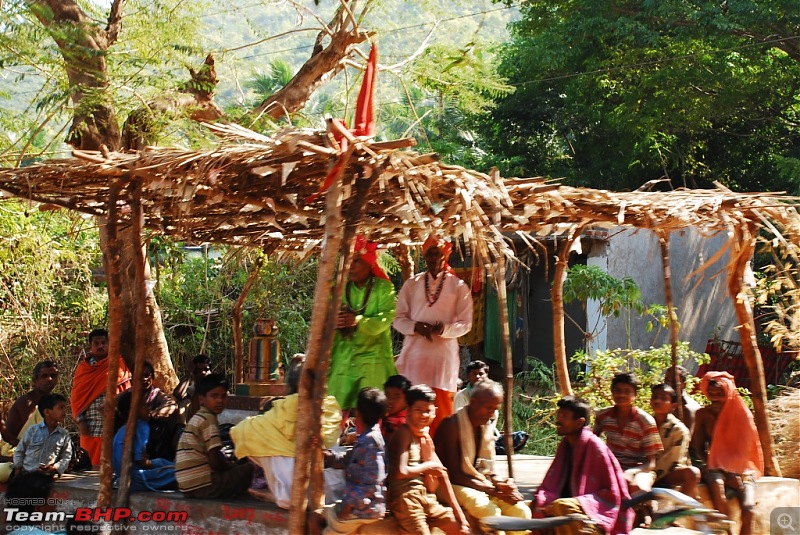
pixel 362 353
pixel 434 308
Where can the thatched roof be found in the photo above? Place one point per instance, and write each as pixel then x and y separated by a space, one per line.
pixel 253 190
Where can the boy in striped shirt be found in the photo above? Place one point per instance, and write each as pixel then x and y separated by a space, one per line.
pixel 201 468
pixel 631 434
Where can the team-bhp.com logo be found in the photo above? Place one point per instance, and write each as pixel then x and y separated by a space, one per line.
pixel 96 514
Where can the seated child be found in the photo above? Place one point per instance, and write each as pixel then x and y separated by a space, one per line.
pixel 725 446
pixel 364 500
pixel 146 474
pixel 672 464
pixel 269 439
pixel 43 452
pixel 202 470
pixel 631 434
pixel 415 472
pixel 395 388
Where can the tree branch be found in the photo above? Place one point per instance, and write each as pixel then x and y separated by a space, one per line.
pixel 114 21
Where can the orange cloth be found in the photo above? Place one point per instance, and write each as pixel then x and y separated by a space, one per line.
pixel 444 408
pixel 735 446
pixel 93 446
pixel 89 382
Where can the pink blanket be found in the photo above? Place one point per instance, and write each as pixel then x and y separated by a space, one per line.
pixel 596 480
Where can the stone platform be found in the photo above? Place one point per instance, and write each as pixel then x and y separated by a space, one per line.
pixel 247 516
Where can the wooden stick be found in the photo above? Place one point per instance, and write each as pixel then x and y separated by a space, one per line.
pixel 557 298
pixel 114 280
pixel 394 144
pixel 746 240
pixel 236 317
pixel 305 409
pixel 508 363
pixel 663 241
pixel 137 216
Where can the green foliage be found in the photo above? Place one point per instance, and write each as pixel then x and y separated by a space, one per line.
pixel 197 294
pixel 612 95
pixel 48 301
pixel 648 365
pixel 614 295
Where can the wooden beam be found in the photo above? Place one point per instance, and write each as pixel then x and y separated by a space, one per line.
pixel 236 320
pixel 319 316
pixel 508 363
pixel 745 247
pixel 114 280
pixel 557 299
pixel 137 217
pixel 663 241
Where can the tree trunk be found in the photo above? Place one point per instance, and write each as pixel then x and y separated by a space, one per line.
pixel 663 241
pixel 745 247
pixel 557 299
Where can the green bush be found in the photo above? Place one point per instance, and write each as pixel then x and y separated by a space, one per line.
pixel 649 365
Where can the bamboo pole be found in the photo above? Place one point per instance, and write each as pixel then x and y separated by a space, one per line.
pixel 746 242
pixel 236 320
pixel 663 241
pixel 557 299
pixel 114 280
pixel 137 217
pixel 352 213
pixel 319 316
pixel 505 340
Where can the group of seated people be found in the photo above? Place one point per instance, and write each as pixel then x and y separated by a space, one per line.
pixel 396 473
pixel 717 444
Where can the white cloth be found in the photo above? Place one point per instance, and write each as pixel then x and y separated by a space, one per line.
pixel 436 362
pixel 279 473
pixel 461 399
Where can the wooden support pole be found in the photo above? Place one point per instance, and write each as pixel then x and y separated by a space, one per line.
pixel 508 364
pixel 114 280
pixel 236 320
pixel 744 249
pixel 663 241
pixel 305 410
pixel 557 299
pixel 352 212
pixel 137 218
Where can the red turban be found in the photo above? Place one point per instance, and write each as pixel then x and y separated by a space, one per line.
pixel 368 252
pixel 444 246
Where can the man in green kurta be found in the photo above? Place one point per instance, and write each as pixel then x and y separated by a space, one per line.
pixel 362 346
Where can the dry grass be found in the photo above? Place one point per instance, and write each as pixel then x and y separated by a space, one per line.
pixel 784 420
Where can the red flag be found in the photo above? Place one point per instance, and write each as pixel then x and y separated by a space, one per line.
pixel 363 122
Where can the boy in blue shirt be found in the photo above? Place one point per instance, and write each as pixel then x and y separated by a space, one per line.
pixel 44 452
pixel 364 500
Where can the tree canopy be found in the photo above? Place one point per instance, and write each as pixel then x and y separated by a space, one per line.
pixel 613 94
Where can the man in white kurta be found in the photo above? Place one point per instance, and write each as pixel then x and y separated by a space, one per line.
pixel 434 308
